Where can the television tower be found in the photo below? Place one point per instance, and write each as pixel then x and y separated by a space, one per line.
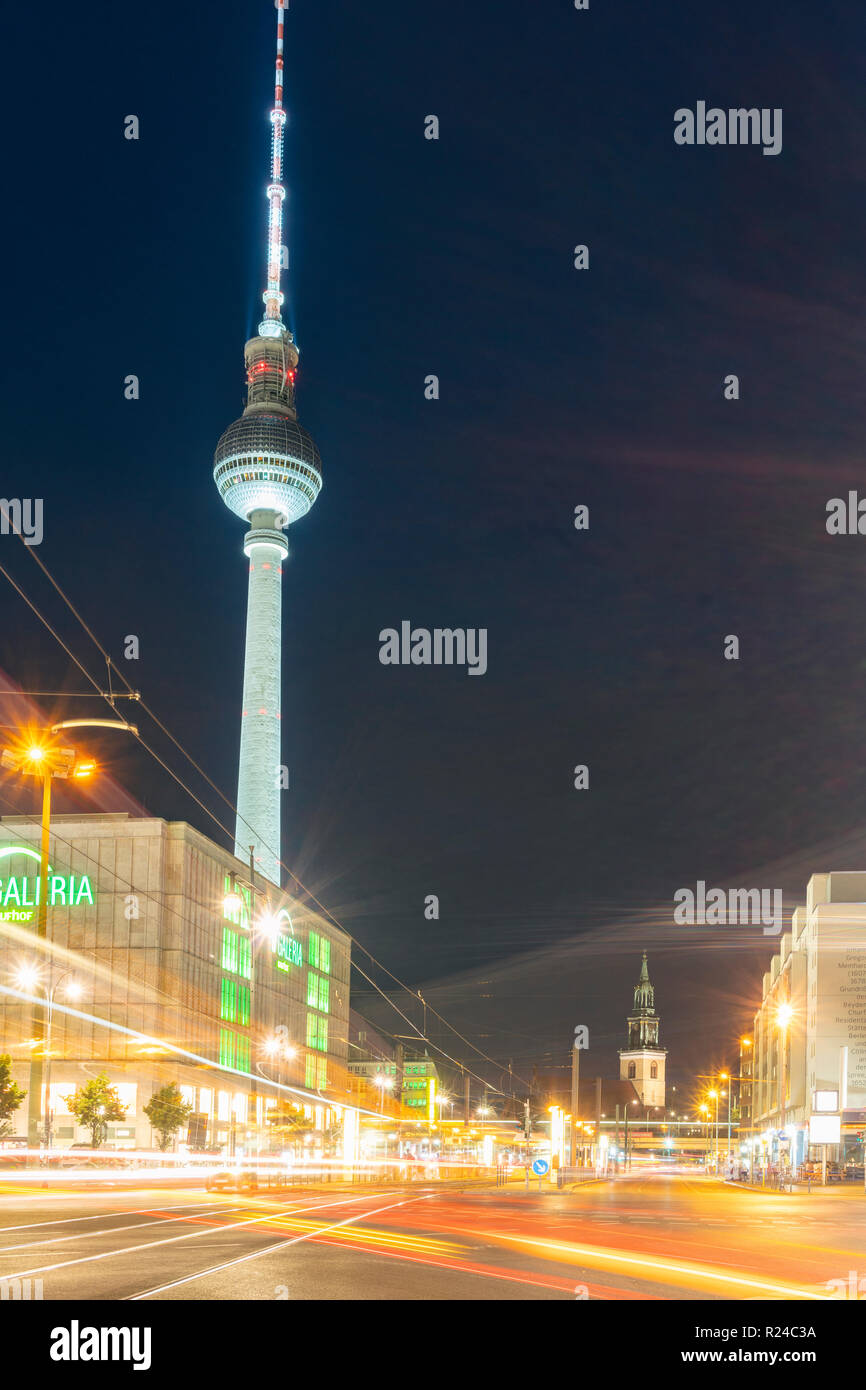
pixel 269 473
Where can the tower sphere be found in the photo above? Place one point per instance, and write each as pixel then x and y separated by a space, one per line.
pixel 268 462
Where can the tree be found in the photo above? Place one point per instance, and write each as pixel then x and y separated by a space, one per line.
pixel 167 1111
pixel 93 1105
pixel 11 1094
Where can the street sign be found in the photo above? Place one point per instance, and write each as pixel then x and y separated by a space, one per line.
pixel 540 1166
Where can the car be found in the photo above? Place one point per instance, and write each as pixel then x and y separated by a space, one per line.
pixel 232 1179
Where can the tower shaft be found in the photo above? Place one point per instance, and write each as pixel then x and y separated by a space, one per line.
pixel 259 779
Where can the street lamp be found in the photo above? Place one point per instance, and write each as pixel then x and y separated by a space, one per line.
pixel 28 978
pixel 784 1014
pixel 384 1083
pixel 705 1111
pixel 714 1096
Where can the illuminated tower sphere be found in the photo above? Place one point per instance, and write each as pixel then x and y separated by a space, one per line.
pixel 269 473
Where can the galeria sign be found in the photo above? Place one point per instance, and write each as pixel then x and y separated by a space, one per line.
pixel 21 891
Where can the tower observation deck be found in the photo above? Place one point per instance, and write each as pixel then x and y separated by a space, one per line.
pixel 268 472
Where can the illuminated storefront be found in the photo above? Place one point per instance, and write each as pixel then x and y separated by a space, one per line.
pixel 182 974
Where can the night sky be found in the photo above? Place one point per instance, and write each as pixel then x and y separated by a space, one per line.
pixel 558 387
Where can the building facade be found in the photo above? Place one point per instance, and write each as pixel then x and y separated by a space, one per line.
pixel 810 1030
pixel 643 1061
pixel 184 972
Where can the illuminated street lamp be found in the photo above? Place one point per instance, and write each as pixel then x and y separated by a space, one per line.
pixel 705 1111
pixel 385 1083
pixel 714 1096
pixel 784 1014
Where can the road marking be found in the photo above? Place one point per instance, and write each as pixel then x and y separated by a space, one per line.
pixel 280 1245
pixel 112 1230
pixel 169 1240
pixel 100 1216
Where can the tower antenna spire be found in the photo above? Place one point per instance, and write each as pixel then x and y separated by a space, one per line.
pixel 272 325
pixel 269 473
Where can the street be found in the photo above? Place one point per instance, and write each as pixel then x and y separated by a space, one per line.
pixel 648 1235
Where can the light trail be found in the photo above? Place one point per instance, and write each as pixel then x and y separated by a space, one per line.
pixel 257 1254
pixel 680 1270
pixel 112 1230
pixel 150 1245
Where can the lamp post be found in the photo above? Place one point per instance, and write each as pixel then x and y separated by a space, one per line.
pixel 784 1014
pixel 28 978
pixel 723 1076
pixel 384 1083
pixel 714 1096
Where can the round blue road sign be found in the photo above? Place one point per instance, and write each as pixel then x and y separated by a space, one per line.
pixel 540 1167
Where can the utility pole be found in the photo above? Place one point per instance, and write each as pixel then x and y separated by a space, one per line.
pixel 575 1104
pixel 466 1099
pixel 597 1122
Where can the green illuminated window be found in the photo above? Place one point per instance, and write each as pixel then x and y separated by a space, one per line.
pixel 227 1048
pixel 316 1073
pixel 245 958
pixel 320 952
pixel 240 916
pixel 228 1001
pixel 230 949
pixel 242 1057
pixel 317 1032
pixel 244 1005
pixel 318 992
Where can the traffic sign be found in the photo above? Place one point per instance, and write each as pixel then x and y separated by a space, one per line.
pixel 540 1166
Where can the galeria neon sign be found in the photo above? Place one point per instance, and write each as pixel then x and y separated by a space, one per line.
pixel 22 891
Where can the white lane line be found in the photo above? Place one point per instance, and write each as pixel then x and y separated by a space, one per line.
pixel 112 1230
pixel 269 1250
pixel 100 1216
pixel 172 1240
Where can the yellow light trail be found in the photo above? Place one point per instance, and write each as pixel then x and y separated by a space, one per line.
pixel 678 1271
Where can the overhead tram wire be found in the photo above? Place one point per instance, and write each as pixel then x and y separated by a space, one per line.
pixel 307 891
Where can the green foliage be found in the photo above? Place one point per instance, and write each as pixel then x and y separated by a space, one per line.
pixel 94 1104
pixel 167 1111
pixel 11 1094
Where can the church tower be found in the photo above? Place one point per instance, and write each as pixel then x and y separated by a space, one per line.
pixel 643 1061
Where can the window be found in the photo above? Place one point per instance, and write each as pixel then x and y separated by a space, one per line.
pixel 244 1005
pixel 631 1071
pixel 245 958
pixel 230 950
pixel 318 992
pixel 227 1048
pixel 228 1001
pixel 242 1060
pixel 319 952
pixel 654 1070
pixel 317 1032
pixel 316 1074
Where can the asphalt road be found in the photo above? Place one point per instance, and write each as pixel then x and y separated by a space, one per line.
pixel 666 1236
